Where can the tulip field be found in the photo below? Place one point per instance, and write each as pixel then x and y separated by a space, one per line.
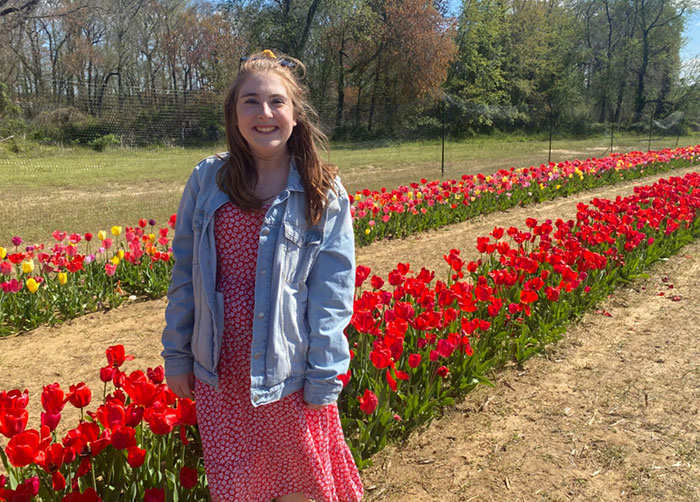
pixel 420 339
pixel 81 273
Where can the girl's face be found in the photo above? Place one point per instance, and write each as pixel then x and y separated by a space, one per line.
pixel 265 115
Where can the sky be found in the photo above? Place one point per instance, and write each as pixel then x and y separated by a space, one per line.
pixel 691 34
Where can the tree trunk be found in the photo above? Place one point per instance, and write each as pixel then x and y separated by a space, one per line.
pixel 341 87
pixel 370 122
pixel 640 100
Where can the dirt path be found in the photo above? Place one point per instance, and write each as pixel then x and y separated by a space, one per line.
pixel 600 417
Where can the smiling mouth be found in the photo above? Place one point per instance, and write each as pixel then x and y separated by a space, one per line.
pixel 265 128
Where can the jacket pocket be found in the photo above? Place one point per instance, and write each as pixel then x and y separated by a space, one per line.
pixel 301 245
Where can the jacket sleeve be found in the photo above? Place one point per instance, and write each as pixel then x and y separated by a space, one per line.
pixel 179 313
pixel 331 285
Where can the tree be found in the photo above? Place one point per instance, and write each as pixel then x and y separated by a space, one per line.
pixel 654 17
pixel 478 78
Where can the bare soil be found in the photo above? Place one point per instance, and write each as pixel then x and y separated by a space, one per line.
pixel 609 413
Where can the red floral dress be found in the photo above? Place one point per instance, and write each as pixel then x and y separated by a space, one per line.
pixel 255 454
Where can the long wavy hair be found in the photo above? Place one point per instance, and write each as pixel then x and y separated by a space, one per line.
pixel 238 176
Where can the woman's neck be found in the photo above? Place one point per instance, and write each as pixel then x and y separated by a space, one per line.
pixel 272 176
pixel 271 166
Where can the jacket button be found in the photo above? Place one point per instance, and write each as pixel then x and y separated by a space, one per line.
pixel 261 315
pixel 257 355
pixel 265 231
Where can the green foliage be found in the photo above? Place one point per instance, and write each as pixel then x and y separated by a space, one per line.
pixel 103 142
pixel 10 115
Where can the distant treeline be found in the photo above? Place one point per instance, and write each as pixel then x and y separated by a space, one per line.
pixel 156 70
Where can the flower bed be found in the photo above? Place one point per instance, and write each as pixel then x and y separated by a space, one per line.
pixel 422 206
pixel 417 344
pixel 140 443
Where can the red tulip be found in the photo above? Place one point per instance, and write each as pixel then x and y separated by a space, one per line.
pixel 123 438
pixel 13 421
pixel 89 495
pixel 443 371
pixel 368 402
pixel 156 375
pixel 51 458
pixel 21 448
pixel 186 411
pixel 188 477
pixel 79 395
pixel 345 378
pixel 134 415
pixel 116 356
pixel 136 457
pixel 160 418
pixel 24 492
pixel 361 273
pixel 58 481
pixel 111 415
pixel 414 360
pixel 14 399
pixel 154 495
pixel 106 374
pixel 52 398
pixel 140 389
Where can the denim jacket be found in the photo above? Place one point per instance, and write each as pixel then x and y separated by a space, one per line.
pixel 304 286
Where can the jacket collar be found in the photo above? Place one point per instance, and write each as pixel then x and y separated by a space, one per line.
pixel 294 178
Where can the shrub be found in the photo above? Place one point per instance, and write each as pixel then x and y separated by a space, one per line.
pixel 103 142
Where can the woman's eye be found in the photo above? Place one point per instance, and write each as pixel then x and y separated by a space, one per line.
pixel 250 102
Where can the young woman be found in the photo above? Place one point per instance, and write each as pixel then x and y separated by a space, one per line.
pixel 262 289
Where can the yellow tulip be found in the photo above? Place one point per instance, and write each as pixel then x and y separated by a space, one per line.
pixel 28 266
pixel 102 235
pixel 32 285
pixel 115 260
pixel 62 278
pixel 367 231
pixel 116 230
pixel 3 252
pixel 152 237
pixel 120 254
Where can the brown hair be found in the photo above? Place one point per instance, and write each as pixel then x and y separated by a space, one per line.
pixel 238 177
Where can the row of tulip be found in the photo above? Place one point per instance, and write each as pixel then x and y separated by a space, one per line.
pixel 140 443
pixel 83 273
pixel 417 344
pixel 427 205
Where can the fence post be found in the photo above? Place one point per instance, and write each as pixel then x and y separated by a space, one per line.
pixel 442 161
pixel 651 117
pixel 551 127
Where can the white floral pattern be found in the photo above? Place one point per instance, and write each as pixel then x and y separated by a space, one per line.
pixel 254 454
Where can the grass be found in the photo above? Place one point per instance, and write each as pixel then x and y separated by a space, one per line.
pixel 79 190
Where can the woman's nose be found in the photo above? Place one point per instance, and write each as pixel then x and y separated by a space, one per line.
pixel 265 110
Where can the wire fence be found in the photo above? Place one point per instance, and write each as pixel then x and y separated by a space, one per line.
pixel 83 166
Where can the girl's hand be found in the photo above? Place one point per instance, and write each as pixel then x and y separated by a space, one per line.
pixel 182 385
pixel 314 406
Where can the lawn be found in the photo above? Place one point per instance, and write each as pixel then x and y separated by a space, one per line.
pixel 80 190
